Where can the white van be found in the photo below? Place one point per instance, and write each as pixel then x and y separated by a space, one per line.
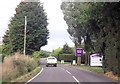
pixel 51 61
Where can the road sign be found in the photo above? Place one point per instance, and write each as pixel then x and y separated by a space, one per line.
pixel 96 60
pixel 79 51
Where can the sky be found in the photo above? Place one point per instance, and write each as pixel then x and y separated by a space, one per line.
pixel 57 26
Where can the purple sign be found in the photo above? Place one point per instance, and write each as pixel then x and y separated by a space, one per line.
pixel 79 51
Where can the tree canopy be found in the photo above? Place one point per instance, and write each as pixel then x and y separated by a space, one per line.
pixel 98 24
pixel 36 31
pixel 66 49
pixel 56 52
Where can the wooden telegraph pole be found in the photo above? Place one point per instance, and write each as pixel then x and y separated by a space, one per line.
pixel 24 51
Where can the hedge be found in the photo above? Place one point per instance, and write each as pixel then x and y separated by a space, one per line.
pixel 66 57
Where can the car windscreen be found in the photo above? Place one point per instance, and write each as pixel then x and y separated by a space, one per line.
pixel 51 58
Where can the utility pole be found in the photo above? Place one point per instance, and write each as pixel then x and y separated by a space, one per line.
pixel 25 35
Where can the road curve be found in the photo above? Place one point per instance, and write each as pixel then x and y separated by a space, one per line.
pixel 68 75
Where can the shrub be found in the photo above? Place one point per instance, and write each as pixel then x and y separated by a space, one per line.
pixel 67 57
pixel 42 53
pixel 17 65
pixel 37 54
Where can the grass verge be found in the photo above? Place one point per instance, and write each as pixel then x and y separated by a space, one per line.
pixel 94 69
pixel 28 76
pixel 0 81
pixel 98 70
pixel 16 66
pixel 64 62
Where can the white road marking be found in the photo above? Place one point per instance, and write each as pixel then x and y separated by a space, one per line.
pixel 35 76
pixel 75 79
pixel 68 72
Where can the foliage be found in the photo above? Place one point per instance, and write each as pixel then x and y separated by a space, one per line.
pixel 6 51
pixel 0 49
pixel 17 65
pixel 56 52
pixel 66 53
pixel 67 57
pixel 98 25
pixel 94 69
pixel 36 31
pixel 1 56
pixel 28 76
pixel 40 54
pixel 66 49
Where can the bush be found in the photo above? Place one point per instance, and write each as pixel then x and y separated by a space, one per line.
pixel 67 57
pixel 37 54
pixel 42 53
pixel 16 66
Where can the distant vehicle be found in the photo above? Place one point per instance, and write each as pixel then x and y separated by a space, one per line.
pixel 51 61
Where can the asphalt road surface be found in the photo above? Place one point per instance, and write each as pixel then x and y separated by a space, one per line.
pixel 63 74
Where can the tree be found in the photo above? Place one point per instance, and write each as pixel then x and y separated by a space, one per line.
pixel 66 49
pixel 37 32
pixel 41 54
pixel 66 53
pixel 77 17
pixel 56 52
pixel 98 25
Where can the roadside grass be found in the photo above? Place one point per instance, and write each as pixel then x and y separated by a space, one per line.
pixel 94 69
pixel 0 81
pixel 98 70
pixel 88 68
pixel 0 73
pixel 16 66
pixel 27 76
pixel 64 62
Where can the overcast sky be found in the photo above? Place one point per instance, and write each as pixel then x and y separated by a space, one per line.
pixel 57 26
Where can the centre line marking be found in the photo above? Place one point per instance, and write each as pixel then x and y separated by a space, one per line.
pixel 68 72
pixel 75 79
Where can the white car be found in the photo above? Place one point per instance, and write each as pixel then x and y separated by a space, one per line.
pixel 51 61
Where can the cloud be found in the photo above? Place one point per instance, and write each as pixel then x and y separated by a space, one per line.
pixel 57 26
pixel 7 8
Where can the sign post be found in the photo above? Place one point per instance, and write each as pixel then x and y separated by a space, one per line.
pixel 79 53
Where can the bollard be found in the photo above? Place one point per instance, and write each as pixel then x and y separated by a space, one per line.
pixel 74 62
pixel 62 61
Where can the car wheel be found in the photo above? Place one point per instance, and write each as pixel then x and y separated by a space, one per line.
pixel 55 65
pixel 46 65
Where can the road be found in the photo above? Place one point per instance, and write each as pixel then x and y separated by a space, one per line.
pixel 68 75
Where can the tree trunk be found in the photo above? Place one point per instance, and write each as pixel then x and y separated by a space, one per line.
pixel 86 58
pixel 79 60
